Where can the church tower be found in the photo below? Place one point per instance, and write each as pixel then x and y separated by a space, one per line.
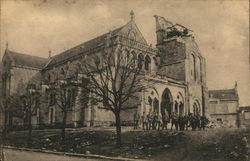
pixel 181 60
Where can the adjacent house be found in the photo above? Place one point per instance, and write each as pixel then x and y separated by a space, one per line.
pixel 223 107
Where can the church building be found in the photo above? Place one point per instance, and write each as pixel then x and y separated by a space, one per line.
pixel 175 67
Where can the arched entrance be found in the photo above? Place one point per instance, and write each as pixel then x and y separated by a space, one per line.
pixel 156 106
pixel 179 105
pixel 196 108
pixel 166 103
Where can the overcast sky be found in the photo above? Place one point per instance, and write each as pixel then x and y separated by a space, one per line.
pixel 221 29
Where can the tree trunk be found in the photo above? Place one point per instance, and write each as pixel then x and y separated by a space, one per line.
pixel 64 126
pixel 118 130
pixel 5 125
pixel 30 127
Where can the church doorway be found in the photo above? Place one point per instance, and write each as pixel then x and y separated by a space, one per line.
pixel 196 108
pixel 156 106
pixel 166 103
pixel 181 109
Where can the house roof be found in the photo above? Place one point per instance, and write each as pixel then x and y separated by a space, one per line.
pixel 132 102
pixel 36 79
pixel 27 60
pixel 245 108
pixel 225 94
pixel 93 43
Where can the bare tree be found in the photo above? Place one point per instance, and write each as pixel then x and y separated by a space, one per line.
pixel 113 78
pixel 30 102
pixel 64 99
pixel 9 105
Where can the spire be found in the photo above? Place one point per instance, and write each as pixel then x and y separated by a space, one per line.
pixel 132 15
pixel 50 54
pixel 235 85
pixel 7 45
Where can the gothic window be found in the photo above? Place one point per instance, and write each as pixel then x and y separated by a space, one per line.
pixel 193 68
pixel 140 61
pixel 132 35
pixel 133 57
pixel 147 63
pixel 52 99
pixel 198 68
pixel 149 100
pixel 97 60
pixel 196 108
pixel 176 107
pixel 155 61
pixel 48 77
pixel 62 72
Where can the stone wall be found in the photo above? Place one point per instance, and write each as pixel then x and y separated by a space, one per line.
pixel 224 120
pixel 172 51
pixel 127 116
pixel 20 77
pixel 175 71
pixel 244 119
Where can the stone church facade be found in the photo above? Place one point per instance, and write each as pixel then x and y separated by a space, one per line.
pixel 176 68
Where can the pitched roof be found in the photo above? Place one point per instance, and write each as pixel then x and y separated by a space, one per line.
pixel 93 43
pixel 36 79
pixel 225 94
pixel 132 102
pixel 79 49
pixel 245 108
pixel 27 60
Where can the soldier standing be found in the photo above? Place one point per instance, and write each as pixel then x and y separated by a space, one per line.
pixel 135 120
pixel 186 121
pixel 159 121
pixel 154 120
pixel 174 121
pixel 149 120
pixel 144 121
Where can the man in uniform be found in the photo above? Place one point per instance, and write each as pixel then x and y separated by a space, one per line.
pixel 165 121
pixel 174 120
pixel 154 120
pixel 144 121
pixel 149 120
pixel 135 120
pixel 159 121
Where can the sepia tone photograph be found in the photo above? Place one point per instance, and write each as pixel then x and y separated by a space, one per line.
pixel 116 80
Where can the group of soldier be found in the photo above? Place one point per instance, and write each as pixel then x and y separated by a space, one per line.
pixel 153 121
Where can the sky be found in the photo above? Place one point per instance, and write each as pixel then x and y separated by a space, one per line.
pixel 221 30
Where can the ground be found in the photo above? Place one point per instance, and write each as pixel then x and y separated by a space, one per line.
pixel 208 145
pixel 17 155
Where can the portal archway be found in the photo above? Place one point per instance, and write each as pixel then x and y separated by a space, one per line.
pixel 166 102
pixel 156 106
pixel 196 108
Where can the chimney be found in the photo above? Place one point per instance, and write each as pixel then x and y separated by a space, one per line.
pixel 236 87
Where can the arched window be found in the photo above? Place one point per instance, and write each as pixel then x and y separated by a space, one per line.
pixel 149 100
pixel 147 63
pixel 133 58
pixel 140 61
pixel 155 61
pixel 193 69
pixel 62 74
pixel 48 77
pixel 96 60
pixel 198 68
pixel 196 108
